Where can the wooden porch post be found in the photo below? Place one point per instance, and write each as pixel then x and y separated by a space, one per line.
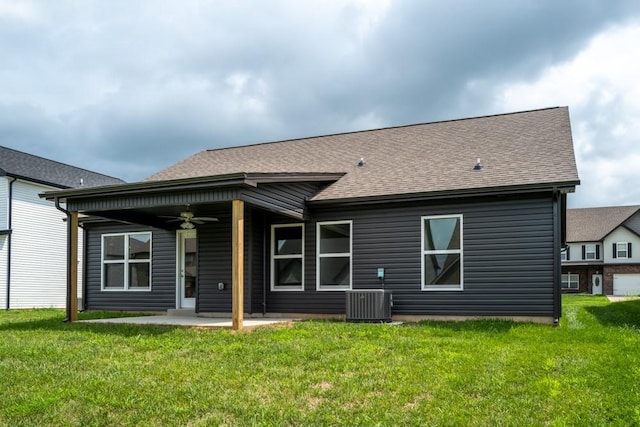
pixel 237 264
pixel 73 267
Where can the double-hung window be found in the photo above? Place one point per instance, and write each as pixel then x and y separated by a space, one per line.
pixel 590 252
pixel 333 267
pixel 126 262
pixel 621 250
pixel 570 281
pixel 442 252
pixel 287 257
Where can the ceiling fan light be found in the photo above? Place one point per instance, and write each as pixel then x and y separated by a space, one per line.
pixel 187 226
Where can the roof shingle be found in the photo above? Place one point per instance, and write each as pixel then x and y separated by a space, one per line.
pixel 516 149
pixel 594 224
pixel 38 169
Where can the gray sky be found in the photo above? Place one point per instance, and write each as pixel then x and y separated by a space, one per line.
pixel 127 88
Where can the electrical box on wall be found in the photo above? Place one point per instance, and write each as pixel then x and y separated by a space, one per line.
pixel 220 286
pixel 381 273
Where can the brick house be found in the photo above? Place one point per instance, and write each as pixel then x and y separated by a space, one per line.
pixel 602 254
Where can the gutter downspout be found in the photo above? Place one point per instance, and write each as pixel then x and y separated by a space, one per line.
pixel 85 253
pixel 9 225
pixel 265 251
pixel 68 303
pixel 557 269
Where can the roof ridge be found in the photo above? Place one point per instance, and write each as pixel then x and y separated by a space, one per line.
pixel 383 128
pixel 60 163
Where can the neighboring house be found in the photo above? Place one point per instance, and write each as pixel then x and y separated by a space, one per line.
pixel 603 251
pixel 464 216
pixel 33 236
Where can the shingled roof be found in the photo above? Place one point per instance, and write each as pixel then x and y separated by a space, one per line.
pixel 594 224
pixel 516 149
pixel 38 169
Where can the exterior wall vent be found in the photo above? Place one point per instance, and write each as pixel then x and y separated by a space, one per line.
pixel 368 305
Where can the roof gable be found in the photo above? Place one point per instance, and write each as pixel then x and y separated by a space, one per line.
pixel 38 169
pixel 517 149
pixel 594 224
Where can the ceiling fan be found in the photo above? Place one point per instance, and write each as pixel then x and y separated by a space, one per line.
pixel 189 219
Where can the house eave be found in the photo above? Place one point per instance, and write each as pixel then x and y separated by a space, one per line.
pixel 145 187
pixel 32 180
pixel 561 187
pixel 192 183
pixel 582 264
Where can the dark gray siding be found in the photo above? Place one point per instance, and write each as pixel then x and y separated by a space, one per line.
pixel 508 258
pixel 163 282
pixel 151 200
pixel 259 245
pixel 288 198
pixel 214 261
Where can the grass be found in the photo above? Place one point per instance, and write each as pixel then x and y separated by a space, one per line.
pixel 585 372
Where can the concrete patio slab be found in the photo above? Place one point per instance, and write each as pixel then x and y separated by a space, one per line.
pixel 192 321
pixel 615 298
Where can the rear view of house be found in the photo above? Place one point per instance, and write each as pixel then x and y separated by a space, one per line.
pixel 33 236
pixel 456 219
pixel 603 251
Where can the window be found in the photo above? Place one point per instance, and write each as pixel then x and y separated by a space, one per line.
pixel 563 254
pixel 287 257
pixel 333 270
pixel 621 250
pixel 442 252
pixel 570 281
pixel 126 261
pixel 590 252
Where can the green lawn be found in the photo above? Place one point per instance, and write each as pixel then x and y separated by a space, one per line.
pixel 585 372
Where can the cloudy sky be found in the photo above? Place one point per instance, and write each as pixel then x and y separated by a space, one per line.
pixel 128 87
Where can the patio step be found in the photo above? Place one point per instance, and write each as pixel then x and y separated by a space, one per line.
pixel 183 312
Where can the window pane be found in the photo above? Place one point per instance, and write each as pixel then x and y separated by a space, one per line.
pixel 287 272
pixel 334 271
pixel 113 247
pixel 442 269
pixel 288 240
pixel 442 233
pixel 335 238
pixel 139 275
pixel 114 276
pixel 139 246
pixel 573 281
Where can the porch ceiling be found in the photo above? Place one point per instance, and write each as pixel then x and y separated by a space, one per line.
pixel 163 217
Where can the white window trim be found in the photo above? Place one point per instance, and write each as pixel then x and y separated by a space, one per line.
pixel 569 281
pixel 625 245
pixel 274 257
pixel 336 255
pixel 126 261
pixel 587 252
pixel 424 252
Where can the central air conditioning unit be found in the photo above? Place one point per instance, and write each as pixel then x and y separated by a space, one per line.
pixel 369 305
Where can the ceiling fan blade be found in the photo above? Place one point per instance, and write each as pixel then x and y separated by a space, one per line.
pixel 173 218
pixel 204 219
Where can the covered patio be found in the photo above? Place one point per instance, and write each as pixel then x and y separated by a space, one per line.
pixel 155 203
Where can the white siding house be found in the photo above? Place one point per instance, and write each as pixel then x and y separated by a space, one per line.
pixel 623 239
pixel 4 238
pixel 603 251
pixel 33 232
